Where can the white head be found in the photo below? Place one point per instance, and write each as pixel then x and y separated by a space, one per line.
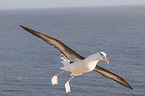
pixel 98 56
pixel 103 56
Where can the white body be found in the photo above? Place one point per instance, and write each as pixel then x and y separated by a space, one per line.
pixel 81 66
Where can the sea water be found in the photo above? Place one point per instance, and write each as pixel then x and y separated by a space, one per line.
pixel 27 63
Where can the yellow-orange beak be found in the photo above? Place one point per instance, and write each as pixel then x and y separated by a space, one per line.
pixel 105 59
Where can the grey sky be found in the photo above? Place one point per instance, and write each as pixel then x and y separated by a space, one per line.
pixel 15 4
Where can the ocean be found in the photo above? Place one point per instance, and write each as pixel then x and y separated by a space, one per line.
pixel 27 63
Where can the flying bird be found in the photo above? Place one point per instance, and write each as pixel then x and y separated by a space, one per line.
pixel 75 63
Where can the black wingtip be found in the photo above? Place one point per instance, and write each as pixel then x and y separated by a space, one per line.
pixel 131 88
pixel 22 26
pixel 124 83
pixel 27 29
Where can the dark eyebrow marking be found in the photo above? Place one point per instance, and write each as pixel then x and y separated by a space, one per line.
pixel 101 53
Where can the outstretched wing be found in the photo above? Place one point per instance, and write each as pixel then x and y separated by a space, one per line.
pixel 64 49
pixel 74 56
pixel 112 76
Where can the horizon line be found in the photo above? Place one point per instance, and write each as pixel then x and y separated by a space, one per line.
pixel 73 7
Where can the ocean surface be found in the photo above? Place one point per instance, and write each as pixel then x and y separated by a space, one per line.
pixel 27 63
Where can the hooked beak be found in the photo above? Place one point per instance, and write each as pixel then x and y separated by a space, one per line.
pixel 105 59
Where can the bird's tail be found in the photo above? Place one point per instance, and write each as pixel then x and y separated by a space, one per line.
pixel 65 60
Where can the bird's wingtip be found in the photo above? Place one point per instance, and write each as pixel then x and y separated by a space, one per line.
pixel 25 28
pixel 21 26
pixel 131 88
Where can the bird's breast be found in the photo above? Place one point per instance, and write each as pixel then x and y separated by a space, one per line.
pixel 80 67
pixel 91 65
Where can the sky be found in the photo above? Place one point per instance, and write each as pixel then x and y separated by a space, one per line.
pixel 19 4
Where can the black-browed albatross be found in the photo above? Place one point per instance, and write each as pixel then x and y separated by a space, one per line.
pixel 76 63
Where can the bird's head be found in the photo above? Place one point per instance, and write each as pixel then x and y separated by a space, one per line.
pixel 102 56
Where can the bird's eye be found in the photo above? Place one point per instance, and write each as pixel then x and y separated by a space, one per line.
pixel 101 53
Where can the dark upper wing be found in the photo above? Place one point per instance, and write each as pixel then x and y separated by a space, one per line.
pixel 112 76
pixel 64 49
